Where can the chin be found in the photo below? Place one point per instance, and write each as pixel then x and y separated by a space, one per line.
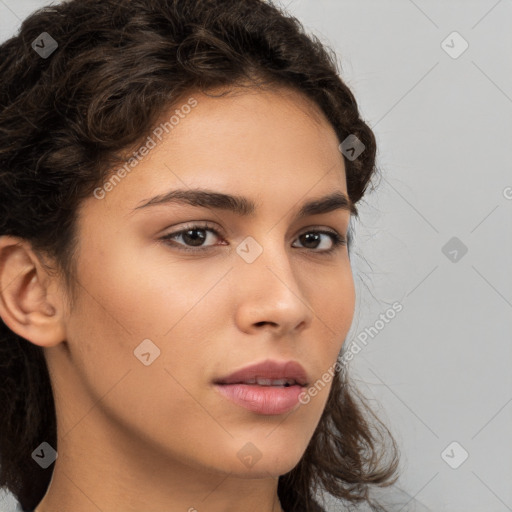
pixel 267 460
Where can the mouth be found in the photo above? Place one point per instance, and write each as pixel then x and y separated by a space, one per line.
pixel 268 388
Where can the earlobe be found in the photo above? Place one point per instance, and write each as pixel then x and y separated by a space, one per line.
pixel 29 297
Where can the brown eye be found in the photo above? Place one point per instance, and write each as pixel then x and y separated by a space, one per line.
pixel 192 236
pixel 312 239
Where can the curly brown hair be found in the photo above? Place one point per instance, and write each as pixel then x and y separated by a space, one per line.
pixel 68 119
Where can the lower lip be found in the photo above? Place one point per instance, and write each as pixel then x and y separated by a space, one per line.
pixel 262 399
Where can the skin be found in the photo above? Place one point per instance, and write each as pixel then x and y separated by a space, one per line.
pixel 160 437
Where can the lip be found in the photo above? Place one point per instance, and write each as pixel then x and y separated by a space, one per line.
pixel 268 400
pixel 268 370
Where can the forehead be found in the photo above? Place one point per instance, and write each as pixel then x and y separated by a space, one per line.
pixel 249 142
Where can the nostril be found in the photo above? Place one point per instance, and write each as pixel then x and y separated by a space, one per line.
pixel 273 324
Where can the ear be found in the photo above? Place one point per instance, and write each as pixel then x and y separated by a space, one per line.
pixel 31 300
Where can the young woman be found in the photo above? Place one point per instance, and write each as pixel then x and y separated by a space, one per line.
pixel 177 183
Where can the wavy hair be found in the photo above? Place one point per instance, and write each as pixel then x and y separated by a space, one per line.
pixel 67 119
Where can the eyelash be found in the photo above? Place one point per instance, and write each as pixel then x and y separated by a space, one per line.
pixel 338 240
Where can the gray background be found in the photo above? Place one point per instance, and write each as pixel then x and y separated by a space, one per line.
pixel 440 368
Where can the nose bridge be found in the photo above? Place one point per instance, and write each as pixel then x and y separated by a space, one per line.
pixel 269 285
pixel 265 255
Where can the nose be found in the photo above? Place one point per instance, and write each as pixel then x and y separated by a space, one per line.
pixel 270 294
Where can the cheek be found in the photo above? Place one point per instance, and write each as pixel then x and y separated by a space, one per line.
pixel 155 401
pixel 162 310
pixel 334 306
pixel 145 290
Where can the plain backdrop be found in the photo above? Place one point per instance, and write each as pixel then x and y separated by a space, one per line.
pixel 434 81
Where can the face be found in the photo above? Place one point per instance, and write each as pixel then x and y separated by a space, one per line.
pixel 173 296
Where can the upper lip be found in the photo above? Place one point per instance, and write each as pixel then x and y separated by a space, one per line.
pixel 268 369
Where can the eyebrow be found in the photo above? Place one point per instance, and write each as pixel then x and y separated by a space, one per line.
pixel 244 206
